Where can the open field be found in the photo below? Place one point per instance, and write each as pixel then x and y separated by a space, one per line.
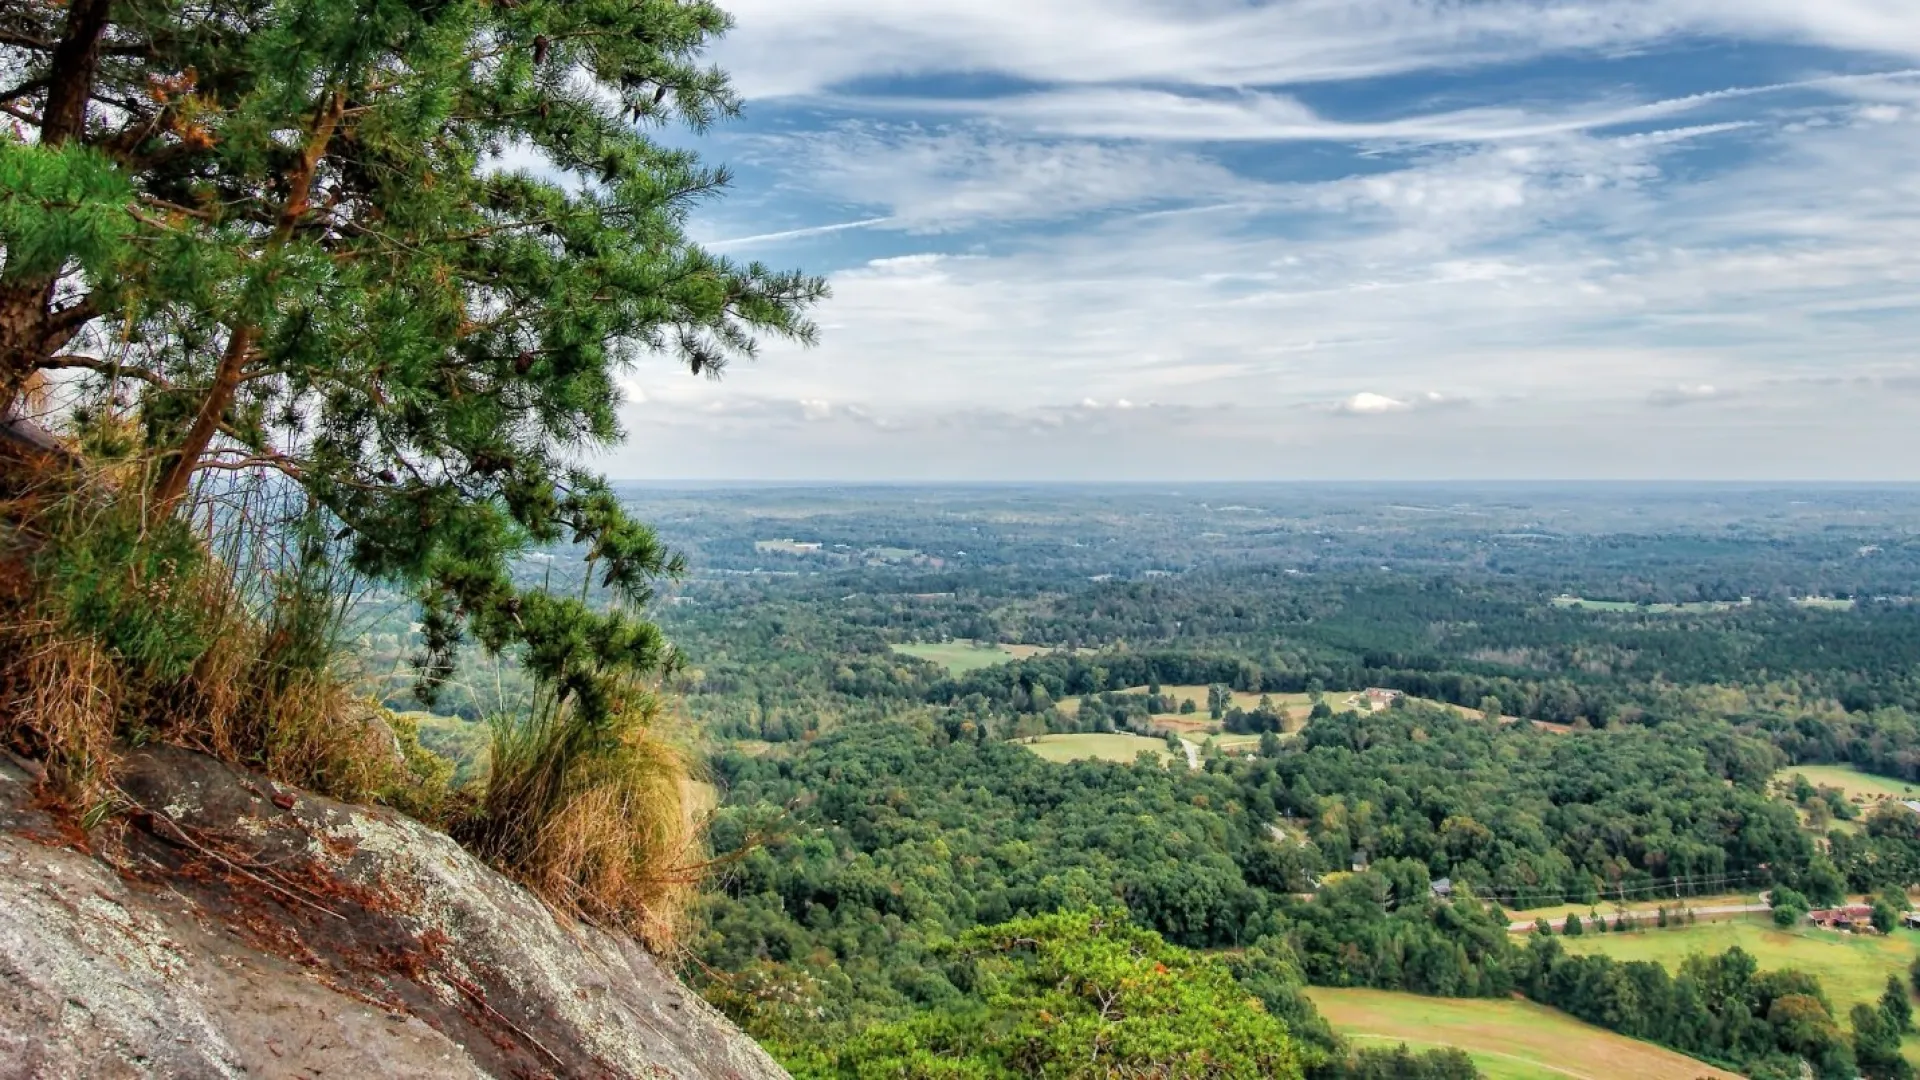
pixel 1581 603
pixel 959 657
pixel 1296 706
pixel 1028 652
pixel 1231 743
pixel 1635 909
pixel 963 656
pixel 1510 1040
pixel 1853 968
pixel 1121 748
pixel 1859 786
pixel 1823 603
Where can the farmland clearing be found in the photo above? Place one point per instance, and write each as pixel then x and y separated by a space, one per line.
pixel 1106 747
pixel 1508 1039
pixel 960 657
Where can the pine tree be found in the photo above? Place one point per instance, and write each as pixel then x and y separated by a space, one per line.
pixel 283 235
pixel 1895 1003
pixel 1876 1045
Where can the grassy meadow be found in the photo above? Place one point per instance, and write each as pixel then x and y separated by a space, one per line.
pixel 1852 967
pixel 1858 786
pixel 1697 607
pixel 1509 1040
pixel 959 657
pixel 1116 747
pixel 1636 909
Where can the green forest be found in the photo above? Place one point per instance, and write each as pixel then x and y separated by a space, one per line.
pixel 304 375
pixel 882 819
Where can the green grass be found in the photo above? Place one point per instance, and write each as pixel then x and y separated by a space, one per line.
pixel 1581 603
pixel 1509 1040
pixel 1852 968
pixel 958 657
pixel 1849 780
pixel 1230 741
pixel 962 656
pixel 1121 748
pixel 1635 909
pixel 1295 705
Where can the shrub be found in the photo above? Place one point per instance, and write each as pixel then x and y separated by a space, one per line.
pixel 124 630
pixel 1789 906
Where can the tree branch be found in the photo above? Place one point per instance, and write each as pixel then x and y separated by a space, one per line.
pixel 172 485
pixel 105 367
pixel 25 88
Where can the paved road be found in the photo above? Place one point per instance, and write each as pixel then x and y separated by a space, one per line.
pixel 1723 910
pixel 1193 754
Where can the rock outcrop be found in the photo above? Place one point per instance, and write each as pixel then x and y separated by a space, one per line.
pixel 223 926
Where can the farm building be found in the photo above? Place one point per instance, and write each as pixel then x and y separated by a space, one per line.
pixel 1849 917
pixel 1376 698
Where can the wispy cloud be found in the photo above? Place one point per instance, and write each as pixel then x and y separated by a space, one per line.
pixel 796 234
pixel 1334 231
pixel 790 47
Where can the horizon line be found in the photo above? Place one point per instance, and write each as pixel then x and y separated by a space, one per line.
pixel 1451 481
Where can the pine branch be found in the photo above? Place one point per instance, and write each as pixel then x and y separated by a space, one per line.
pixel 172 486
pixel 24 89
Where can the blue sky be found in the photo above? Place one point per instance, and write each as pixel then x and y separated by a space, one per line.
pixel 1332 239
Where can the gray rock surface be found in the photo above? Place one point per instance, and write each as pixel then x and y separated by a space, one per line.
pixel 225 927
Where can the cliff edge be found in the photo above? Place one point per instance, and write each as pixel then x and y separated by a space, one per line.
pixel 219 925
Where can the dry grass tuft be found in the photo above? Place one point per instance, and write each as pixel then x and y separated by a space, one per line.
pixel 595 819
pixel 59 696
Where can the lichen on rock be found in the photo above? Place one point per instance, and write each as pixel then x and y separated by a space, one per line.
pixel 220 928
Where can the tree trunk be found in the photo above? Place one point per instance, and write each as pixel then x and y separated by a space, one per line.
pixel 226 382
pixel 172 486
pixel 26 305
pixel 76 59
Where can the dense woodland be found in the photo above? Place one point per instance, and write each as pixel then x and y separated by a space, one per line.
pixel 880 812
pixel 302 375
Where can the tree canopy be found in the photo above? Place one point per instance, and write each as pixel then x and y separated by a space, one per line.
pixel 396 254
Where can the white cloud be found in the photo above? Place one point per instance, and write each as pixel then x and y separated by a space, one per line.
pixel 935 179
pixel 1367 403
pixel 792 47
pixel 1685 394
pixel 1111 235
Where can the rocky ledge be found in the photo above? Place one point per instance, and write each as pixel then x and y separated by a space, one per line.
pixel 223 926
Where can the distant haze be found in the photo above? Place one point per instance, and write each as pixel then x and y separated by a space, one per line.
pixel 1318 239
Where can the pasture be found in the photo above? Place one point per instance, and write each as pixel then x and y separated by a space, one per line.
pixel 1635 909
pixel 1858 786
pixel 959 657
pixel 1114 747
pixel 1296 706
pixel 1824 603
pixel 1696 607
pixel 1852 967
pixel 1508 1039
pixel 962 656
pixel 1235 744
